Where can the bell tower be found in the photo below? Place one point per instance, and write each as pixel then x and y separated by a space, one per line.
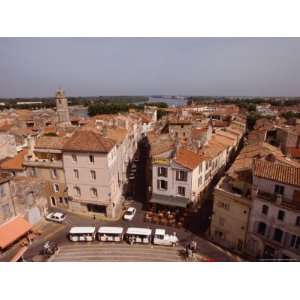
pixel 62 108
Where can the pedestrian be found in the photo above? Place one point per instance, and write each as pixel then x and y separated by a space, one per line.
pixel 94 217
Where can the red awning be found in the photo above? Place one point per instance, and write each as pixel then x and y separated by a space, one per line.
pixel 13 230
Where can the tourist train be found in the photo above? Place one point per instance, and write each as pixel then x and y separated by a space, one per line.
pixel 117 234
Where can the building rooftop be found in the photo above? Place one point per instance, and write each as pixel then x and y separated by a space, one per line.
pixel 88 140
pixel 276 172
pixel 188 158
pixel 117 134
pixel 14 163
pixel 50 142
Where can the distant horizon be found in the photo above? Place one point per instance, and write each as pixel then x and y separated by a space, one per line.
pixel 149 96
pixel 212 67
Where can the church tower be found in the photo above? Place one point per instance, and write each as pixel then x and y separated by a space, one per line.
pixel 62 108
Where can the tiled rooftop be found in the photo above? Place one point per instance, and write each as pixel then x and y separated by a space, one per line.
pixel 277 172
pixel 88 140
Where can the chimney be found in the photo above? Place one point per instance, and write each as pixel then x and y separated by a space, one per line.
pixel 30 143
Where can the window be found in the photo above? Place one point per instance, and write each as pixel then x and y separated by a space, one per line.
pixel 280 215
pixel 66 200
pixel 76 173
pixel 60 199
pixel 54 173
pixel 265 209
pixel 240 245
pixel 279 189
pixel 181 190
pixel 93 174
pixel 56 187
pixel 261 228
pixel 162 184
pixel 295 242
pixel 162 171
pixel 278 233
pixel 6 211
pixel 94 192
pixel 218 234
pixel 53 202
pixel 224 205
pixel 74 157
pixel 199 180
pixel 77 191
pixel 221 221
pixel 2 191
pixel 181 175
pixel 298 221
pixel 92 160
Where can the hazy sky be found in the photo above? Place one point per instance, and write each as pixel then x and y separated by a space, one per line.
pixel 143 66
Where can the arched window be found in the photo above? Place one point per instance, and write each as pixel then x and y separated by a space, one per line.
pixel 77 191
pixel 94 192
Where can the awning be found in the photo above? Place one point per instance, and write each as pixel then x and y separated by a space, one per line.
pixel 13 230
pixel 169 200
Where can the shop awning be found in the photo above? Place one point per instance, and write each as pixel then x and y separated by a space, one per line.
pixel 169 200
pixel 13 230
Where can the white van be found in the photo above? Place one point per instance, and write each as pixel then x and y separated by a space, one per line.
pixel 110 234
pixel 138 235
pixel 82 234
pixel 161 238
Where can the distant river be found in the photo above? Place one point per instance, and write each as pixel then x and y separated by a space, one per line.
pixel 170 101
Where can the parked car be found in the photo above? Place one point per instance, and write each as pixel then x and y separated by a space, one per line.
pixel 161 238
pixel 56 217
pixel 129 214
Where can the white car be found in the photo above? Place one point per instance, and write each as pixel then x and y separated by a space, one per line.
pixel 56 217
pixel 129 214
pixel 161 238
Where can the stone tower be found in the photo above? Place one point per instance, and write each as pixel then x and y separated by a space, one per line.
pixel 62 108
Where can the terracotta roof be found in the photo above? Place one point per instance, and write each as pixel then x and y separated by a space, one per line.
pixel 13 230
pixel 88 141
pixel 257 135
pixel 224 140
pixel 117 134
pixel 187 158
pixel 50 142
pixel 227 134
pixel 244 160
pixel 276 172
pixel 160 148
pixel 160 143
pixel 14 163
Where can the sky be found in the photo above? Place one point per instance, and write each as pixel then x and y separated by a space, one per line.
pixel 36 67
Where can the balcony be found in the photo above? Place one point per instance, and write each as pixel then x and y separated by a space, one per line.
pixel 46 163
pixel 276 199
